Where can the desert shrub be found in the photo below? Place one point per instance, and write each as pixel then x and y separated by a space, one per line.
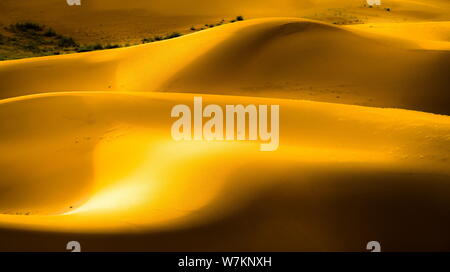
pixel 239 18
pixel 172 35
pixel 89 47
pixel 98 47
pixel 33 47
pixel 158 38
pixel 84 48
pixel 50 33
pixel 193 29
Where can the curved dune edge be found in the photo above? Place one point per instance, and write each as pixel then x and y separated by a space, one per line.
pixel 131 176
pixel 313 60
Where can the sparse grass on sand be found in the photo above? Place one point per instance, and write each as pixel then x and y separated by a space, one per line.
pixel 192 29
pixel 30 39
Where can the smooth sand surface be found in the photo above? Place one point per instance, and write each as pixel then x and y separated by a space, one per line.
pixel 118 21
pixel 87 153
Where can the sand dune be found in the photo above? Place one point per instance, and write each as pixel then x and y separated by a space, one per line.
pixel 427 35
pixel 87 152
pixel 116 21
pixel 109 158
pixel 313 61
pixel 402 9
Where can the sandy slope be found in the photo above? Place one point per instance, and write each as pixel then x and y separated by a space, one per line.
pixel 87 153
pixel 106 162
pixel 428 35
pixel 279 57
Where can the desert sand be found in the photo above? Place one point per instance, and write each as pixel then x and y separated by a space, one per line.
pixel 275 57
pixel 116 21
pixel 87 153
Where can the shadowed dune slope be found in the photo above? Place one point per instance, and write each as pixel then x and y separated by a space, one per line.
pixel 105 162
pixel 286 58
pixel 87 152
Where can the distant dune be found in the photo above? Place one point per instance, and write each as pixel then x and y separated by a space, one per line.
pixel 286 58
pixel 105 162
pixel 117 21
pixel 87 152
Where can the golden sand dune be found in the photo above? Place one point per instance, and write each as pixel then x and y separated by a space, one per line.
pixel 85 162
pixel 427 35
pixel 323 9
pixel 400 9
pixel 279 57
pixel 117 21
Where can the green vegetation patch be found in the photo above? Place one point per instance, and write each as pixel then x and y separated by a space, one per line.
pixel 30 39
